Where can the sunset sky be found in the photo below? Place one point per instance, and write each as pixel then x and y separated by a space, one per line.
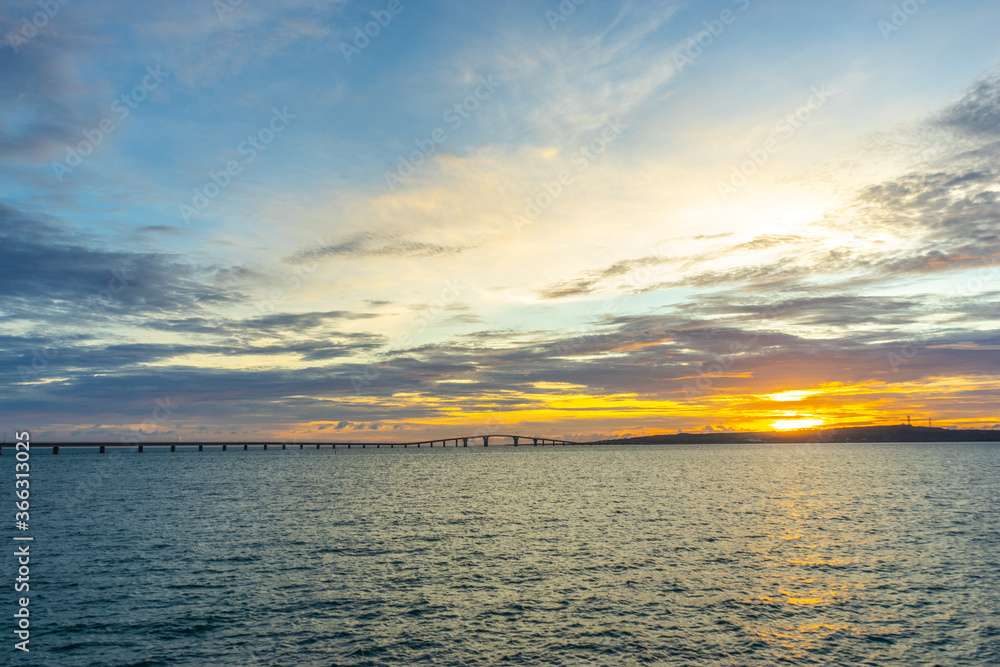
pixel 390 220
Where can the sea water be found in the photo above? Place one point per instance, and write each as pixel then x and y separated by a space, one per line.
pixel 825 554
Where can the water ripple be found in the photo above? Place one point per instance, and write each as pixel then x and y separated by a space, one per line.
pixel 805 554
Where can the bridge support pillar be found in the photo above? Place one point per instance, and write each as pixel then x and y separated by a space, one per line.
pixel 223 447
pixel 465 442
pixel 201 448
pixel 140 449
pixel 536 441
pixel 102 449
pixel 55 449
pixel 244 448
pixel 282 445
pixel 302 445
pixel 265 446
pixel 486 441
pixel 173 448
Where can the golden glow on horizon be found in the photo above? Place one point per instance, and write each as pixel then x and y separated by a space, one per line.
pixel 788 424
pixel 568 408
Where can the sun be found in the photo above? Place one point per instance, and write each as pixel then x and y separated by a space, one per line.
pixel 787 424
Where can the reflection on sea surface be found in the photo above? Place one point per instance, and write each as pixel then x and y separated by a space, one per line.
pixel 804 563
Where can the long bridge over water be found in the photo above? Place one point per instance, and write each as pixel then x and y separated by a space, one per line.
pixel 102 447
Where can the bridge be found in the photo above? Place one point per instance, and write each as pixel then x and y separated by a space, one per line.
pixel 140 447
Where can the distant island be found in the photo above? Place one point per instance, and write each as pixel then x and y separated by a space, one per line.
pixel 894 433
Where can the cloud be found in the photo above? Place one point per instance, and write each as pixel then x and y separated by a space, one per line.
pixel 569 288
pixel 165 230
pixel 586 73
pixel 649 357
pixel 64 271
pixel 977 113
pixel 42 110
pixel 372 244
pixel 300 321
pixel 634 275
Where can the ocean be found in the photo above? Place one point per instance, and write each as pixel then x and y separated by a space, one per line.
pixel 805 554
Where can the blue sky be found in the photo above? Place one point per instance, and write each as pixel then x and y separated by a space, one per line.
pixel 579 219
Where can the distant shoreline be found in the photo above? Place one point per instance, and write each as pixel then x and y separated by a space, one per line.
pixel 901 433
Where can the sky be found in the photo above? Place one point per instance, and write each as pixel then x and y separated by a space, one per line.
pixel 395 220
